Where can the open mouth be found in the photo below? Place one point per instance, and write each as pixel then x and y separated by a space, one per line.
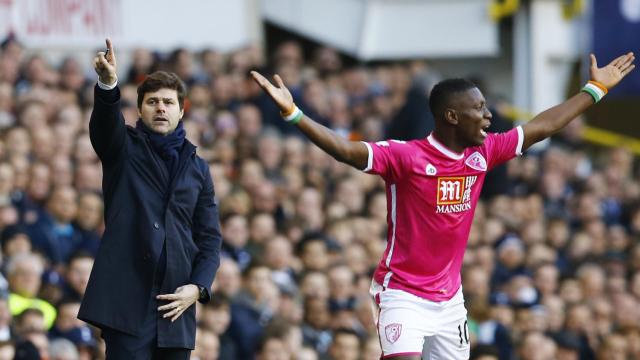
pixel 483 130
pixel 160 120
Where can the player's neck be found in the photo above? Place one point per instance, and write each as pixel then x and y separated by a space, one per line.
pixel 449 141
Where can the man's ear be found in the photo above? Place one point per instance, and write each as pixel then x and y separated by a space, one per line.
pixel 451 116
pixel 139 114
pixel 181 114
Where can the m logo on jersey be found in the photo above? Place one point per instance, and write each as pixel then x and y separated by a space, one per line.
pixel 450 190
pixel 454 194
pixel 392 332
pixel 476 161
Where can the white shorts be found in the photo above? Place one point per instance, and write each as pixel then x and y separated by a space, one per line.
pixel 410 325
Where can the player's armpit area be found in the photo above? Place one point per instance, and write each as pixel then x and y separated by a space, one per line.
pixel 357 155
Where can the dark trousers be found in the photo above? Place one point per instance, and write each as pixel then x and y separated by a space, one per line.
pixel 122 346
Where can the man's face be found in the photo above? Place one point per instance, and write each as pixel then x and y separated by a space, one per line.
pixel 63 205
pixel 345 347
pixel 90 211
pixel 78 274
pixel 67 318
pixel 26 279
pixel 217 320
pixel 472 115
pixel 160 111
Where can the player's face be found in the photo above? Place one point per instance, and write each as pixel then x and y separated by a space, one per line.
pixel 160 111
pixel 473 117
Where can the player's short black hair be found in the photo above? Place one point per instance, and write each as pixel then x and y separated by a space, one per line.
pixel 442 92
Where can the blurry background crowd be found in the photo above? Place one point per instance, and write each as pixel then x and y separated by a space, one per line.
pixel 552 269
pixel 553 264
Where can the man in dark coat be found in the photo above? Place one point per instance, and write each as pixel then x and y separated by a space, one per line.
pixel 160 249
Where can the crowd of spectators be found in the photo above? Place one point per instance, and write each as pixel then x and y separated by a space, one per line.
pixel 552 269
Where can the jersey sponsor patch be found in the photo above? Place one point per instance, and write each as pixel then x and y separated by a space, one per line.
pixel 454 193
pixel 393 332
pixel 476 161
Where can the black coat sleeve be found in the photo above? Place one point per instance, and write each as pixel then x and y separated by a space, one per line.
pixel 107 129
pixel 207 236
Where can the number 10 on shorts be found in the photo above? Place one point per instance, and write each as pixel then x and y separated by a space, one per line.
pixel 463 330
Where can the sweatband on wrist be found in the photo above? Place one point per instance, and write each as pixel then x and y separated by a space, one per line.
pixel 288 112
pixel 294 117
pixel 596 90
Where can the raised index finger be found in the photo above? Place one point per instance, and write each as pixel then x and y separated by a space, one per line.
pixel 110 47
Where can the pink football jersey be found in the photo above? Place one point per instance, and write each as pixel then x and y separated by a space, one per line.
pixel 432 193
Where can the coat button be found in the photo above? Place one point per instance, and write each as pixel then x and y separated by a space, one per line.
pixel 156 225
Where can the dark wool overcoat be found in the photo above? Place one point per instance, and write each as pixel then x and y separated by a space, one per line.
pixel 144 211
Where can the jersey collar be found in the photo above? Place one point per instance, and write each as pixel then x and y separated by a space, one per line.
pixel 443 149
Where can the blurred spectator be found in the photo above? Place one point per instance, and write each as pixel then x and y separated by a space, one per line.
pixel 216 317
pixel 62 349
pixel 484 352
pixel 207 346
pixel 235 233
pixel 7 350
pixel 29 320
pixel 25 272
pixel 54 234
pixel 252 310
pixel 272 348
pixel 315 328
pixel 89 221
pixel 345 345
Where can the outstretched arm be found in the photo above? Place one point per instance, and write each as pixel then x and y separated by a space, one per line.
pixel 106 125
pixel 353 153
pixel 554 119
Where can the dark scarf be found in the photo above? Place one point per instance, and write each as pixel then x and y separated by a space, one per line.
pixel 167 146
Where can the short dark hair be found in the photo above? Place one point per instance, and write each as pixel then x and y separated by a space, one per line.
pixel 162 80
pixel 218 301
pixel 442 92
pixel 29 311
pixel 262 344
pixel 79 254
pixel 343 331
pixel 483 350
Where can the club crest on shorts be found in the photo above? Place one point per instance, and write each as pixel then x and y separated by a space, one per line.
pixel 392 332
pixel 476 161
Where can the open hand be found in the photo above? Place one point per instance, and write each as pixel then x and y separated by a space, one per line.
pixel 280 94
pixel 181 300
pixel 105 65
pixel 610 75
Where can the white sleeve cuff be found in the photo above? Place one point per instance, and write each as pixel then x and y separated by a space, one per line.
pixel 104 86
pixel 370 158
pixel 520 141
